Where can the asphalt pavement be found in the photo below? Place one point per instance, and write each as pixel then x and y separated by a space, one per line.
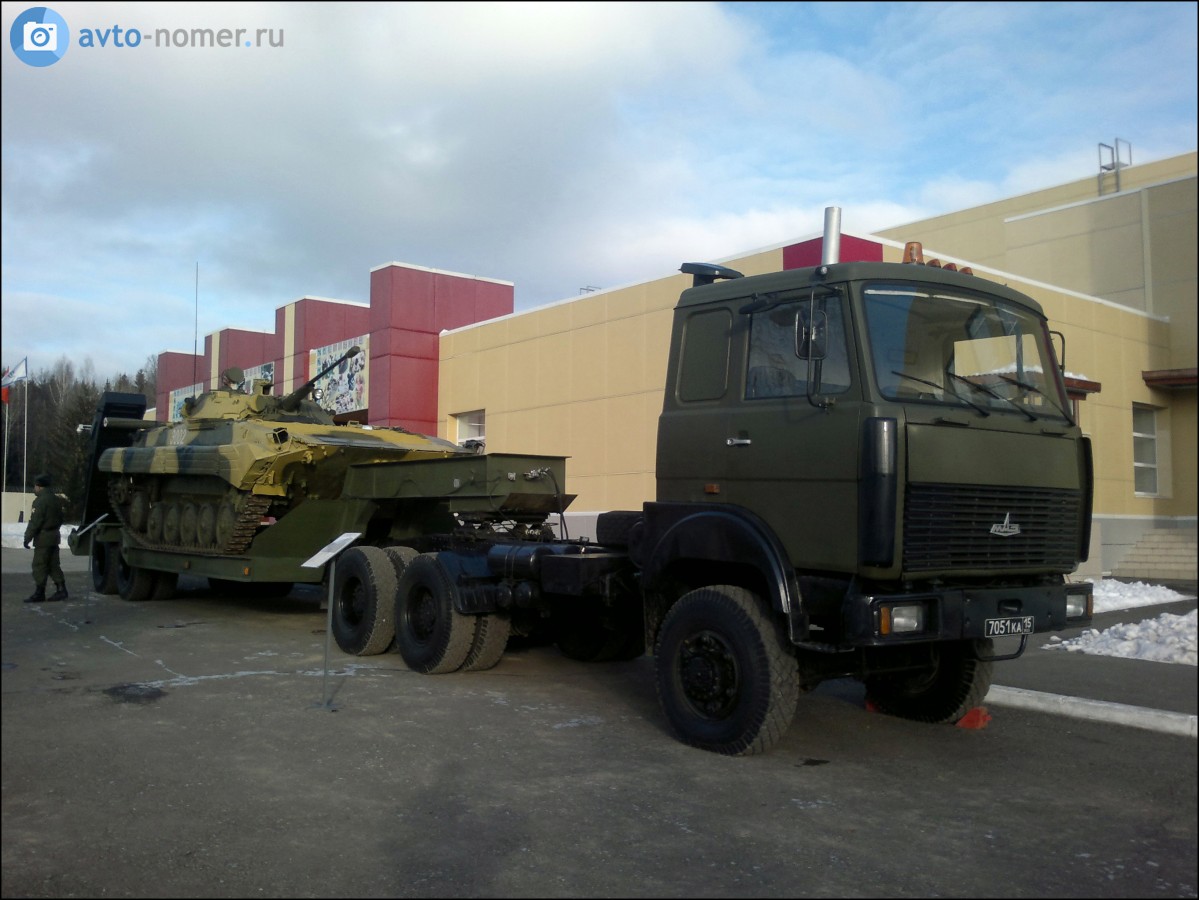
pixel 204 746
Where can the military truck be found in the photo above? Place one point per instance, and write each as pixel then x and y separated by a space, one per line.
pixel 864 469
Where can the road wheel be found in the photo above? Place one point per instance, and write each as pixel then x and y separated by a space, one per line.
pixel 491 637
pixel 188 516
pixel 432 636
pixel 171 524
pixel 134 583
pixel 206 525
pixel 226 524
pixel 956 682
pixel 154 523
pixel 139 510
pixel 727 679
pixel 104 570
pixel 364 600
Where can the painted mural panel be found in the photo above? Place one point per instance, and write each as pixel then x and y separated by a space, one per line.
pixel 345 388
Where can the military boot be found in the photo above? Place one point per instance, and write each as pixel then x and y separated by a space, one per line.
pixel 38 596
pixel 60 593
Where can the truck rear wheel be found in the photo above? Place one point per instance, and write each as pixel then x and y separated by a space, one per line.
pixel 727 680
pixel 364 597
pixel 104 568
pixel 134 583
pixel 956 683
pixel 491 637
pixel 432 636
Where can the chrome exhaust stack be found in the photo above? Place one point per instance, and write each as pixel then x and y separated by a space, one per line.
pixel 831 243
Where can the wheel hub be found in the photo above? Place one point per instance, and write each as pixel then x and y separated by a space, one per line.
pixel 709 674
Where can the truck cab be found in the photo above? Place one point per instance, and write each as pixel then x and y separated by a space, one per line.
pixel 882 456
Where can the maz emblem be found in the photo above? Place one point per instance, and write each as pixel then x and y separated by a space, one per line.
pixel 1006 528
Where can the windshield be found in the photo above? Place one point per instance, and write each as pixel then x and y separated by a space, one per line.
pixel 962 349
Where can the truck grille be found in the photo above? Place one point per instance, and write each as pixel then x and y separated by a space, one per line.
pixel 968 526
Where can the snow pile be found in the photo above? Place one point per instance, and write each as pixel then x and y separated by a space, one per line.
pixel 1168 638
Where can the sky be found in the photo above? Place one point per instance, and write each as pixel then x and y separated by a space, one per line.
pixel 154 194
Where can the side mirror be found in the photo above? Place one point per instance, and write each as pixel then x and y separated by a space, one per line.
pixel 811 336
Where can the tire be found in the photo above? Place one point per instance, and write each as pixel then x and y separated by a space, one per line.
pixel 134 584
pixel 614 528
pixel 364 600
pixel 957 683
pixel 727 679
pixel 164 585
pixel 400 557
pixel 433 637
pixel 585 632
pixel 104 569
pixel 487 647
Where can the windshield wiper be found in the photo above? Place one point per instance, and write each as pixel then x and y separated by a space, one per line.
pixel 991 393
pixel 1039 392
pixel 938 387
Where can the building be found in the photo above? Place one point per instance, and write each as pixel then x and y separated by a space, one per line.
pixel 1112 259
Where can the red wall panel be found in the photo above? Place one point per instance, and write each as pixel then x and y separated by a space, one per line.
pixel 852 249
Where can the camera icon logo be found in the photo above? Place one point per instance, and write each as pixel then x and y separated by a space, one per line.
pixel 41 36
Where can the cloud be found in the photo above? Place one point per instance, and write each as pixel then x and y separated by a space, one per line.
pixel 555 145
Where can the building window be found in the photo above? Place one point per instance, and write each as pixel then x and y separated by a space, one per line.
pixel 1145 451
pixel 469 430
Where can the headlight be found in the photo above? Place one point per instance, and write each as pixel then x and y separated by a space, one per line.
pixel 907 618
pixel 1079 601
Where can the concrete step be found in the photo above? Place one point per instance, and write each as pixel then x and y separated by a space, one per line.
pixel 1161 554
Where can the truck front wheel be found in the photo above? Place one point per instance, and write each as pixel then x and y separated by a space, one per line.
pixel 432 636
pixel 364 597
pixel 727 680
pixel 956 682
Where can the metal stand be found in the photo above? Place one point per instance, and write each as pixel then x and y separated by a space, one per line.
pixel 329 553
pixel 326 700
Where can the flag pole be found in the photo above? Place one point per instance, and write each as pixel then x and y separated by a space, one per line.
pixel 25 453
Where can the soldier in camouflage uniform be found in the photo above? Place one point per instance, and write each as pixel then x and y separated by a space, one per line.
pixel 44 521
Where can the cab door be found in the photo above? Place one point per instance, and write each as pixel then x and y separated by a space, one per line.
pixel 792 439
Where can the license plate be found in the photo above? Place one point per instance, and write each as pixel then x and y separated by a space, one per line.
pixel 1011 625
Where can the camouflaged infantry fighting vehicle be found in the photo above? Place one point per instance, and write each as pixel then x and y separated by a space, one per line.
pixel 248 486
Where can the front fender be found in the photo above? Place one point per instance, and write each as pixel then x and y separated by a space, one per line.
pixel 726 535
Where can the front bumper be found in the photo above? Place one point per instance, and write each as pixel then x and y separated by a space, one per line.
pixel 881 620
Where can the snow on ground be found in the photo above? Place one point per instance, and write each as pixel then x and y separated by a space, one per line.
pixel 1167 638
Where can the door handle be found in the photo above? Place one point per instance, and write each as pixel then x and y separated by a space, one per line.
pixel 737 442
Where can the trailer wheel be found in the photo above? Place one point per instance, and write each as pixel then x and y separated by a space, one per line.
pixel 956 683
pixel 104 569
pixel 164 585
pixel 133 583
pixel 363 601
pixel 432 636
pixel 727 679
pixel 491 638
